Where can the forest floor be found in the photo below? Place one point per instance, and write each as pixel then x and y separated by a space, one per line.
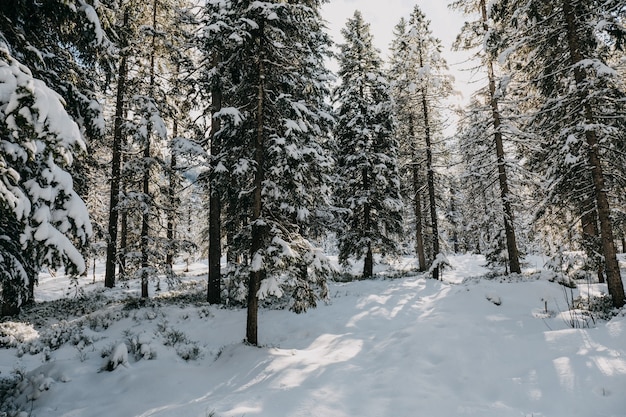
pixel 401 345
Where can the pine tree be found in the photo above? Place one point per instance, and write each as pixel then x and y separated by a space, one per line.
pixel 578 97
pixel 49 51
pixel 273 124
pixel 420 84
pixel 148 112
pixel 43 220
pixel 368 187
pixel 473 36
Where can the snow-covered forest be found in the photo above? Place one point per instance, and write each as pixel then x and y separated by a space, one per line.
pixel 188 182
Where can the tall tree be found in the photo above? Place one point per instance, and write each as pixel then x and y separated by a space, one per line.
pixel 421 83
pixel 273 129
pixel 49 108
pixel 473 35
pixel 148 110
pixel 578 94
pixel 43 220
pixel 368 186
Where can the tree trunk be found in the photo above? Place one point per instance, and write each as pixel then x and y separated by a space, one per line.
pixel 171 215
pixel 256 273
pixel 111 257
pixel 417 207
pixel 417 204
pixel 430 178
pixel 613 276
pixel 368 264
pixel 505 195
pixel 589 223
pixel 145 215
pixel 215 205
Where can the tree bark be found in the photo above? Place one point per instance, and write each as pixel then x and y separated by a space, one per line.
pixel 430 177
pixel 613 276
pixel 215 205
pixel 257 204
pixel 505 195
pixel 589 223
pixel 145 216
pixel 109 276
pixel 417 205
pixel 368 262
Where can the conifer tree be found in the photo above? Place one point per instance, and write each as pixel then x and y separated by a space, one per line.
pixel 420 83
pixel 578 96
pixel 273 124
pixel 367 185
pixel 473 36
pixel 47 53
pixel 148 111
pixel 42 219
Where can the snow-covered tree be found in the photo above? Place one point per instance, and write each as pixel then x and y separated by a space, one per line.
pixel 150 108
pixel 420 80
pixel 473 36
pixel 367 185
pixel 578 103
pixel 42 219
pixel 273 125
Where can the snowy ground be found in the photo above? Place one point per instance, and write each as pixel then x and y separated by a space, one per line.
pixel 411 346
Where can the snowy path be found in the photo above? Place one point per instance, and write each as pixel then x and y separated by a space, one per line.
pixel 382 348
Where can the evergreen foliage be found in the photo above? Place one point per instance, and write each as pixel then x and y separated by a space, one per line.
pixel 578 99
pixel 420 83
pixel 367 184
pixel 274 125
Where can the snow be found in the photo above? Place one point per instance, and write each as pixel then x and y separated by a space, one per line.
pixel 385 347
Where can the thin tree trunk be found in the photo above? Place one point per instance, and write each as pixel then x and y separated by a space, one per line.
pixel 430 177
pixel 173 206
pixel 145 216
pixel 215 205
pixel 613 276
pixel 417 207
pixel 111 258
pixel 256 273
pixel 417 204
pixel 368 264
pixel 505 195
pixel 589 224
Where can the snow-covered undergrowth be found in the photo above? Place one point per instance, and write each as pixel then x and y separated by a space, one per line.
pixel 388 347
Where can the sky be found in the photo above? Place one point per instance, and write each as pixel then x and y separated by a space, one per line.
pixel 383 15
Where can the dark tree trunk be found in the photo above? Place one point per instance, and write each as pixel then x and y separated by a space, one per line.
pixel 368 262
pixel 417 204
pixel 589 223
pixel 505 195
pixel 417 207
pixel 111 257
pixel 613 276
pixel 215 205
pixel 430 179
pixel 257 203
pixel 173 206
pixel 145 216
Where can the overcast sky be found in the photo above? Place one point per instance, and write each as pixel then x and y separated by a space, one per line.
pixel 383 15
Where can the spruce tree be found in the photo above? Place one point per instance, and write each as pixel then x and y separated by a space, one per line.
pixel 578 96
pixel 42 218
pixel 421 82
pixel 367 187
pixel 273 125
pixel 473 36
